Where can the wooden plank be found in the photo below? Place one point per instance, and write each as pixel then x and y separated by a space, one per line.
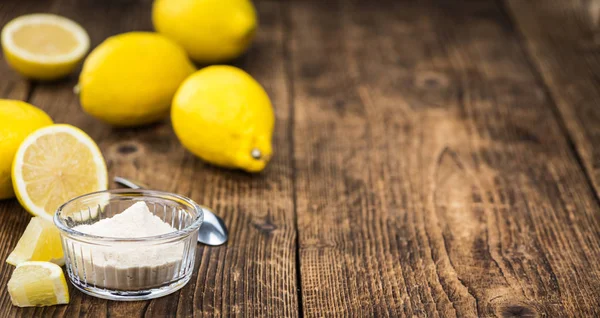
pixel 254 274
pixel 563 39
pixel 433 179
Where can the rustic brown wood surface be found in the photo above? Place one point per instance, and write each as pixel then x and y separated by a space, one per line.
pixel 563 38
pixel 423 167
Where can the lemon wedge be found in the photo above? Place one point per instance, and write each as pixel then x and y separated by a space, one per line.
pixel 38 284
pixel 39 242
pixel 55 164
pixel 44 46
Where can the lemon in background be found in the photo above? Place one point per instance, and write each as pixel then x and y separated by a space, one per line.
pixel 44 46
pixel 130 79
pixel 17 120
pixel 224 116
pixel 209 30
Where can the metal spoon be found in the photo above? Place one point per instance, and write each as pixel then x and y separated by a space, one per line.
pixel 212 232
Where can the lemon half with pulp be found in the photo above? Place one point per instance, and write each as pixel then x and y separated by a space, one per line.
pixel 55 164
pixel 44 46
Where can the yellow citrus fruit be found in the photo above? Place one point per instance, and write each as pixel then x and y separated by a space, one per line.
pixel 222 115
pixel 39 242
pixel 209 30
pixel 55 164
pixel 44 46
pixel 38 284
pixel 17 120
pixel 130 79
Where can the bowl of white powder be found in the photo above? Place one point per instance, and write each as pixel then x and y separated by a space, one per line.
pixel 129 244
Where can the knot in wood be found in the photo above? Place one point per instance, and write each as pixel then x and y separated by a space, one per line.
pixel 265 227
pixel 520 310
pixel 127 149
pixel 431 80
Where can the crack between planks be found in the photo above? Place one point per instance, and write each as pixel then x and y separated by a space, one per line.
pixel 285 8
pixel 521 40
pixel 30 89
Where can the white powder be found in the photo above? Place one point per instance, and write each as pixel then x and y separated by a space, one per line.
pixel 128 266
pixel 136 221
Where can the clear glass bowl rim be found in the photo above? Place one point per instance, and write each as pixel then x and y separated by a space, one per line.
pixel 137 192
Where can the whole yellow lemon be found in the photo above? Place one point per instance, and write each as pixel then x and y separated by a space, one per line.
pixel 17 120
pixel 224 116
pixel 210 31
pixel 130 79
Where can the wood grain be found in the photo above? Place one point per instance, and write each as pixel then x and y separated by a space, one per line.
pixel 255 273
pixel 420 168
pixel 433 178
pixel 563 38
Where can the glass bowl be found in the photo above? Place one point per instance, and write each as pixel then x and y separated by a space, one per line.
pixel 124 268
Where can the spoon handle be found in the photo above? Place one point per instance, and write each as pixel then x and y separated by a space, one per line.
pixel 129 183
pixel 215 235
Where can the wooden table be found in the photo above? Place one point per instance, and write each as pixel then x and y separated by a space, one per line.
pixel 433 158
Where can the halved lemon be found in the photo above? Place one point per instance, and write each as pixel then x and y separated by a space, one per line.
pixel 55 164
pixel 38 284
pixel 44 46
pixel 39 242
